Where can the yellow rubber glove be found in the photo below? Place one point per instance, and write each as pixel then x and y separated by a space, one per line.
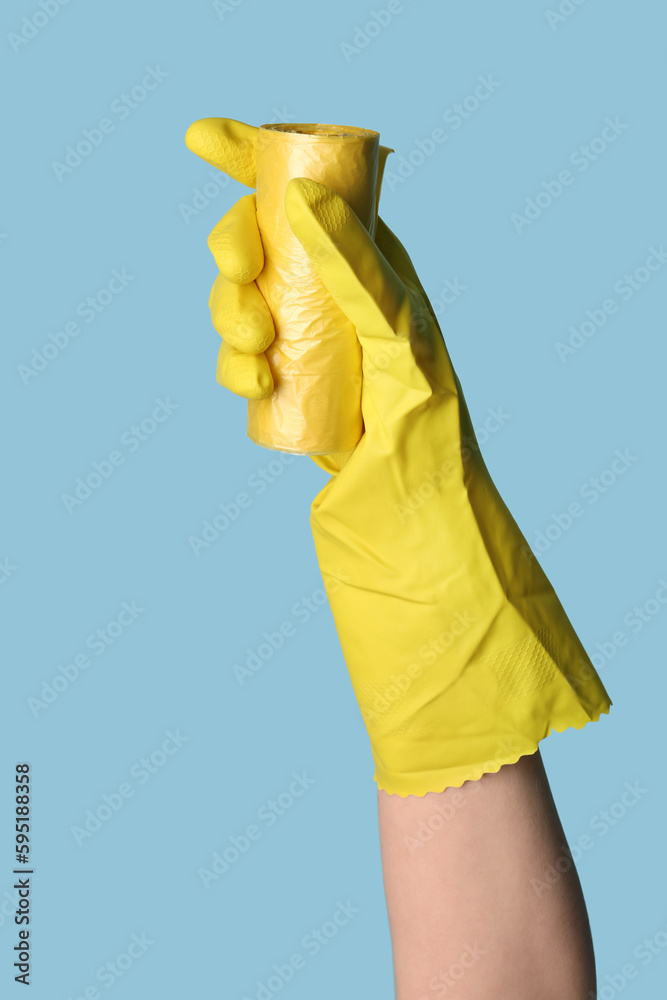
pixel 238 310
pixel 460 654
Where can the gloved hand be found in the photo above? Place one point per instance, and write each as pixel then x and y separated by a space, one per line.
pixel 460 653
pixel 238 309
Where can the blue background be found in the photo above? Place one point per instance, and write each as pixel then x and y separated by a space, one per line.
pixel 170 669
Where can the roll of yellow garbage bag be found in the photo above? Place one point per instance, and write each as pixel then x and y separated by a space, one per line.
pixel 315 359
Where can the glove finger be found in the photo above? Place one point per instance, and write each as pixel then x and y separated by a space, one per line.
pixel 235 242
pixel 356 274
pixel 241 316
pixel 227 144
pixel 366 287
pixel 246 375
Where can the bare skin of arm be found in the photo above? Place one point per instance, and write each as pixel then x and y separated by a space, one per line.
pixel 470 912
